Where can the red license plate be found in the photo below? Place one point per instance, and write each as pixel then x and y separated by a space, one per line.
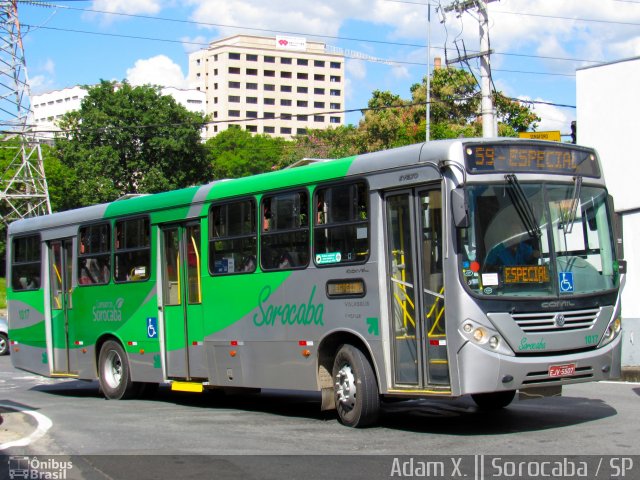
pixel 562 370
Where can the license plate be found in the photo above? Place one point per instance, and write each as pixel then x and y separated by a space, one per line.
pixel 562 370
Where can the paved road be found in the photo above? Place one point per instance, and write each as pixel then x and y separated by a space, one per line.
pixel 590 419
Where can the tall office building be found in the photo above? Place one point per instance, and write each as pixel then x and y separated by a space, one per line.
pixel 279 86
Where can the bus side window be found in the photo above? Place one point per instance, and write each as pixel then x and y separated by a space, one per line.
pixel 284 243
pixel 233 237
pixel 25 263
pixel 133 250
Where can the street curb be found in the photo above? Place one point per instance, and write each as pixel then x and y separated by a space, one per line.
pixel 631 374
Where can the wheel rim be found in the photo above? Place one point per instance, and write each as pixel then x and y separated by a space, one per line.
pixel 3 344
pixel 346 387
pixel 112 370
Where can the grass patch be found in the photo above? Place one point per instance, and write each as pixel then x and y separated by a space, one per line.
pixel 3 293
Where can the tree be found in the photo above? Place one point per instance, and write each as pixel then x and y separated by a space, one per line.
pixel 127 140
pixel 455 112
pixel 342 141
pixel 235 153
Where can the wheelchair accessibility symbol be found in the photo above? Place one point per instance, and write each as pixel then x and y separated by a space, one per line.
pixel 565 279
pixel 152 327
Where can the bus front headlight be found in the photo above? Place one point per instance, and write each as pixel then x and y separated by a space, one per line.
pixel 613 330
pixel 484 337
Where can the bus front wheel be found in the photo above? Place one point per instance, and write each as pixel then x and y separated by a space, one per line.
pixel 493 400
pixel 115 375
pixel 355 388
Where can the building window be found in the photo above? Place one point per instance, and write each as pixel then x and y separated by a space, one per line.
pixel 318 63
pixel 302 103
pixel 234 113
pixel 301 131
pixel 269 73
pixel 234 56
pixel 268 87
pixel 285 131
pixel 269 101
pixel 285 102
pixel 302 61
pixel 252 71
pixel 302 76
pixel 252 114
pixel 318 91
pixel 341 227
pixel 286 116
pixel 334 78
pixel 318 118
pixel 251 57
pixel 234 70
pixel 252 86
pixel 285 61
pixel 25 263
pixel 318 78
pixel 251 128
pixel 285 88
pixel 335 93
pixel 284 243
pixel 252 100
pixel 269 129
pixel 234 98
pixel 302 118
pixel 215 71
pixel 233 237
pixel 269 115
pixel 318 104
pixel 334 106
pixel 133 250
pixel 234 84
pixel 285 74
pixel 334 119
pixel 94 257
pixel 269 59
pixel 302 90
pixel 335 64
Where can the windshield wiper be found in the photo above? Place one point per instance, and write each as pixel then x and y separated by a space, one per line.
pixel 522 206
pixel 570 214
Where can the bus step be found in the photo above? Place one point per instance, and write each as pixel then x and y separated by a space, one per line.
pixel 187 387
pixel 64 375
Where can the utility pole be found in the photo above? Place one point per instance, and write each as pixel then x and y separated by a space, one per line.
pixel 428 109
pixel 489 127
pixel 23 186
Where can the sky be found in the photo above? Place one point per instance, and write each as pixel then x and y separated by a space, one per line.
pixel 537 44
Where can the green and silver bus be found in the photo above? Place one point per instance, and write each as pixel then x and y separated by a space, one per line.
pixel 468 266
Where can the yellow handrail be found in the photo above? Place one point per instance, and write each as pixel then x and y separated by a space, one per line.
pixel 197 253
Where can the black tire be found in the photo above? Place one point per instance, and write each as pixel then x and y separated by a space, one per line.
pixel 355 388
pixel 493 400
pixel 4 344
pixel 114 373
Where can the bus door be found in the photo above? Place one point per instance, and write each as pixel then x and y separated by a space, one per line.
pixel 60 275
pixel 182 301
pixel 414 257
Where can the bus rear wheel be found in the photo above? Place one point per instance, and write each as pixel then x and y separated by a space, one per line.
pixel 355 388
pixel 115 375
pixel 493 400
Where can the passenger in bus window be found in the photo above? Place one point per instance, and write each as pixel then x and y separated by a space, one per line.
pixel 285 261
pixel 515 249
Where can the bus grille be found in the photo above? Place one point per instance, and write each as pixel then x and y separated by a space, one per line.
pixel 556 321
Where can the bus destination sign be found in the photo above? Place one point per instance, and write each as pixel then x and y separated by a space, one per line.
pixel 530 158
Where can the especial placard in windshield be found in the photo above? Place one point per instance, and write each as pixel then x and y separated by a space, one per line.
pixel 530 158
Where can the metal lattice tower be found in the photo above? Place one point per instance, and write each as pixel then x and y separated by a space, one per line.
pixel 23 186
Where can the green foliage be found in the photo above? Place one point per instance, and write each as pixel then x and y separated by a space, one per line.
pixel 126 140
pixel 235 153
pixel 3 293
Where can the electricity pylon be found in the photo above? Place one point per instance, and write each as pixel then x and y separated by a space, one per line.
pixel 23 186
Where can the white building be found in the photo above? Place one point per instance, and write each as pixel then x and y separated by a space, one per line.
pixel 48 108
pixel 608 102
pixel 279 86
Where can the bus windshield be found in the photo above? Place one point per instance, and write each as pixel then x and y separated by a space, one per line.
pixel 538 240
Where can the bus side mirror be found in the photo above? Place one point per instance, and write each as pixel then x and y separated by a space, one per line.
pixel 617 229
pixel 459 207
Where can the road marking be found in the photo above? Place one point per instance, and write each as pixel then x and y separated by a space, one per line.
pixel 44 424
